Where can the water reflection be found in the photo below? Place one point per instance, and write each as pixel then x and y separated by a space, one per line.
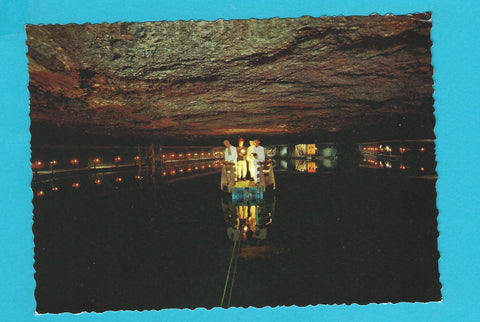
pixel 416 158
pixel 305 165
pixel 248 220
pixel 247 223
pixel 106 238
pixel 114 177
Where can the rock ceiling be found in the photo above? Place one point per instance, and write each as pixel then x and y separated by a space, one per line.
pixel 364 76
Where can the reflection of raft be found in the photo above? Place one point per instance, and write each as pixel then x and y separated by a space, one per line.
pixel 248 219
pixel 245 188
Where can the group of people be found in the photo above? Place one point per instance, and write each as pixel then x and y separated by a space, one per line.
pixel 241 156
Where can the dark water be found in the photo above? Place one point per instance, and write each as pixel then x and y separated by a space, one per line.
pixel 344 236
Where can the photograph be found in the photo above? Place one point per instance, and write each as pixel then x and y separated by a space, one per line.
pixel 183 164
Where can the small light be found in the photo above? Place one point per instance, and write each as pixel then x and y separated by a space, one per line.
pixel 163 156
pixel 138 177
pixel 196 167
pixel 54 188
pixel 209 165
pixel 173 172
pixel 118 179
pixel 118 159
pixel 180 170
pixel 189 154
pixel 75 185
pixel 203 167
pixel 53 162
pixel 136 158
pixel 164 173
pixel 245 228
pixel 37 165
pixel 422 149
pixel 196 154
pixel 422 169
pixel 202 154
pixel 172 155
pixel 209 154
pixel 40 193
pixel 189 169
pixel 243 150
pixel 180 155
pixel 96 160
pixel 98 181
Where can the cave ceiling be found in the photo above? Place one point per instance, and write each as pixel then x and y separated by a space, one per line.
pixel 364 76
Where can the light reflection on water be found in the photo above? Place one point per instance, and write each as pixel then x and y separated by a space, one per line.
pixel 47 160
pixel 74 179
pixel 326 235
pixel 248 220
pixel 411 159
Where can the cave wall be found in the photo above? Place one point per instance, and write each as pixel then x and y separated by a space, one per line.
pixel 357 75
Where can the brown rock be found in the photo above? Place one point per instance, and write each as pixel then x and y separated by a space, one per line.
pixel 366 76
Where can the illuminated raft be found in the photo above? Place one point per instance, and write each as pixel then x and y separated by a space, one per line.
pixel 247 190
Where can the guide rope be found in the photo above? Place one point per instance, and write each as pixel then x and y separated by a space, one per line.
pixel 234 270
pixel 235 254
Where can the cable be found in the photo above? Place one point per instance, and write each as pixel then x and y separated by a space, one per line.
pixel 235 269
pixel 228 273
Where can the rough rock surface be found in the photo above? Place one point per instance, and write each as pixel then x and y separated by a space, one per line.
pixel 365 76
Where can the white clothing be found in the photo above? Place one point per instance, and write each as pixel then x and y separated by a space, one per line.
pixel 231 156
pixel 251 160
pixel 250 157
pixel 251 169
pixel 260 151
pixel 241 169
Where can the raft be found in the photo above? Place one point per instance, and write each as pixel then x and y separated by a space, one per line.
pixel 228 181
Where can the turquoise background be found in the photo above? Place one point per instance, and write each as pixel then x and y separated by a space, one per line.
pixel 456 66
